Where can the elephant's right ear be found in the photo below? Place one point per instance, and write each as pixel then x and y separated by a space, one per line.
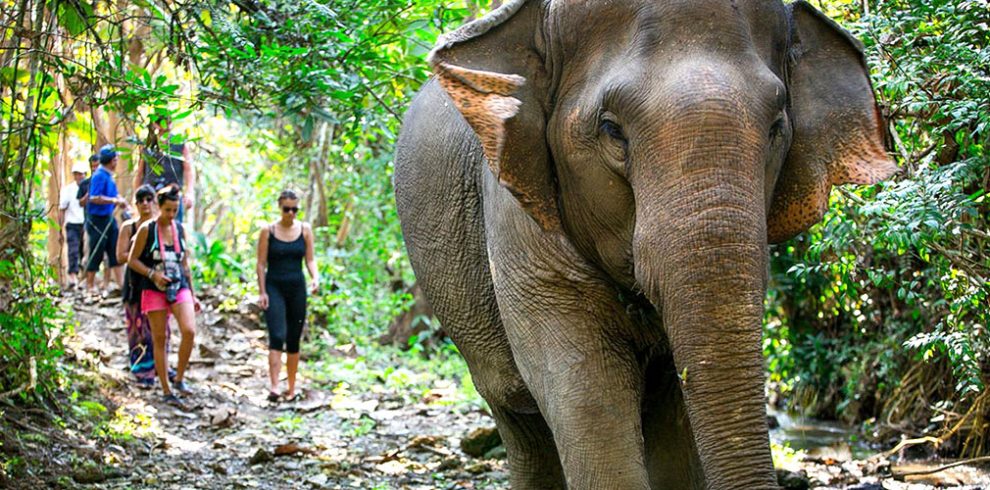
pixel 838 128
pixel 494 73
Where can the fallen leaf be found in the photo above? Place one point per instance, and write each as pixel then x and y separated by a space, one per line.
pixel 293 448
pixel 420 441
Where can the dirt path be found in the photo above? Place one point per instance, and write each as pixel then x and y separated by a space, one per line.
pixel 377 436
pixel 234 438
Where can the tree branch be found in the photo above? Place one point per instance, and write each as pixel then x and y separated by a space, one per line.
pixel 900 476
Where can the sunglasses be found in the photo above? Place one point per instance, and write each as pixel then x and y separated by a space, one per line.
pixel 287 209
pixel 146 200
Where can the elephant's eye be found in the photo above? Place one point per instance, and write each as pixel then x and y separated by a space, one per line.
pixel 777 128
pixel 612 129
pixel 614 141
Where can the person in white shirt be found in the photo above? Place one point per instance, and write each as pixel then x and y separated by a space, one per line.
pixel 71 219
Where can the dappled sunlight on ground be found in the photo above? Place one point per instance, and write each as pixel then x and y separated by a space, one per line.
pixel 372 418
pixel 368 420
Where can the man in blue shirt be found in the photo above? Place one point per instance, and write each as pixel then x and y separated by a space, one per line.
pixel 101 227
pixel 83 196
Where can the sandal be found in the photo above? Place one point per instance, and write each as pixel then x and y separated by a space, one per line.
pixel 273 397
pixel 175 401
pixel 182 386
pixel 298 397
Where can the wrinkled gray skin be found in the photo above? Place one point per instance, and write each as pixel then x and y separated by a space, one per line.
pixel 592 230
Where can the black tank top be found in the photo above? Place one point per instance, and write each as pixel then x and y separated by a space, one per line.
pixel 285 258
pixel 164 167
pixel 151 256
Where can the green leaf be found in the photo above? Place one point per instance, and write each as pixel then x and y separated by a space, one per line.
pixel 74 16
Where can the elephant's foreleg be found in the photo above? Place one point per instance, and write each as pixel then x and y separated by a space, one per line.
pixel 572 344
pixel 532 456
pixel 588 390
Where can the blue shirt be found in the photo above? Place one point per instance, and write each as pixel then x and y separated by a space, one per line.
pixel 101 184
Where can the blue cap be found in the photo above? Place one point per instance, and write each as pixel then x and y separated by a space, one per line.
pixel 107 153
pixel 95 157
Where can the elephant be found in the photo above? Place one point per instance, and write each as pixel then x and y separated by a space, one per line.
pixel 588 190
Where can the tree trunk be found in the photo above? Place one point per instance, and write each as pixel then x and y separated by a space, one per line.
pixel 322 214
pixel 311 184
pixel 60 172
pixel 16 199
pixel 111 127
pixel 10 45
pixel 56 243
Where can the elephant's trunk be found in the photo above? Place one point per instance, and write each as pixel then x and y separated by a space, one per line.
pixel 700 255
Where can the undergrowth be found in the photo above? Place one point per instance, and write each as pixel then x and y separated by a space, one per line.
pixel 879 314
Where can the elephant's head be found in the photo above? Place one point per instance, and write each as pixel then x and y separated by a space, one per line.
pixel 671 141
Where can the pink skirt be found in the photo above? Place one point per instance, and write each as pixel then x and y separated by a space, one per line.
pixel 155 300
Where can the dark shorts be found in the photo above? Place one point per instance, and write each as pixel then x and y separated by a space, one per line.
pixel 101 231
pixel 74 242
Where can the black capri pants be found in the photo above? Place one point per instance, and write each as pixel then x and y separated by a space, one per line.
pixel 286 314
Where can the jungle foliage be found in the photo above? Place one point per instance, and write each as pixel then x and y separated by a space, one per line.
pixel 880 313
pixel 272 94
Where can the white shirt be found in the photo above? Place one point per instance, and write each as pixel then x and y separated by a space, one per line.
pixel 67 201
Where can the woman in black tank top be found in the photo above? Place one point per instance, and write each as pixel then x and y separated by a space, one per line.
pixel 166 160
pixel 282 248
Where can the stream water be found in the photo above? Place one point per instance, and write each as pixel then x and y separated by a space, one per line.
pixel 835 456
pixel 818 438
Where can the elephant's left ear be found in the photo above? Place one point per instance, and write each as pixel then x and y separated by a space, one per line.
pixel 838 128
pixel 493 71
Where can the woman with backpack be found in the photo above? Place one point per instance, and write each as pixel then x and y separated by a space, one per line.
pixel 160 257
